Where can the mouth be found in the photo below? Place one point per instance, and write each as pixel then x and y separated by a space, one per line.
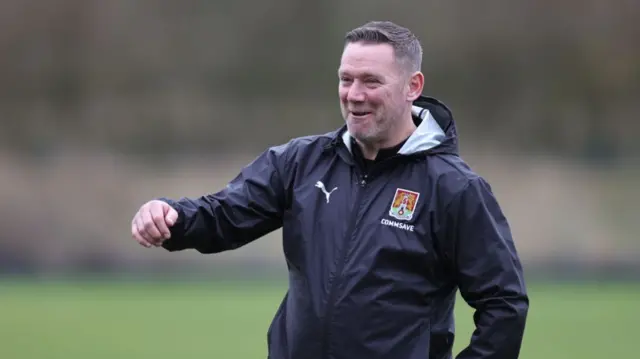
pixel 360 114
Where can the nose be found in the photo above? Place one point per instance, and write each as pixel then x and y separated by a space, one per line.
pixel 356 92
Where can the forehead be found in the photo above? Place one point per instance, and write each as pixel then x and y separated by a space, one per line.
pixel 367 58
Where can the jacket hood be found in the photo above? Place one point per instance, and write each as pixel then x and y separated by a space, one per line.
pixel 436 131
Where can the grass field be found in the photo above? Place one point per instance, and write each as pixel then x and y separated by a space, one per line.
pixel 106 320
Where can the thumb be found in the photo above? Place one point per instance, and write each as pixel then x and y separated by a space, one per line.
pixel 170 216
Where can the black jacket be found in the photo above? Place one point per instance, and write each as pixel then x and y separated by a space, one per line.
pixel 374 259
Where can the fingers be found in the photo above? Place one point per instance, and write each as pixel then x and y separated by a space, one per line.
pixel 136 233
pixel 142 231
pixel 150 226
pixel 171 216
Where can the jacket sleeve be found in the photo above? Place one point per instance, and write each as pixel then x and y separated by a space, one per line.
pixel 250 206
pixel 488 273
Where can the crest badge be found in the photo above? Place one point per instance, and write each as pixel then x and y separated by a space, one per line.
pixel 404 204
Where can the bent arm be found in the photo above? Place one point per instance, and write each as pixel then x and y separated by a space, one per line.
pixel 488 273
pixel 249 207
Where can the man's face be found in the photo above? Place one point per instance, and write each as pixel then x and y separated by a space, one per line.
pixel 373 90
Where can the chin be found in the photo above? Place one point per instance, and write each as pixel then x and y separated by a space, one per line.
pixel 364 136
pixel 357 129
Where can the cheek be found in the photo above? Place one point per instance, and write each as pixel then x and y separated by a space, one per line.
pixel 378 99
pixel 392 100
pixel 342 93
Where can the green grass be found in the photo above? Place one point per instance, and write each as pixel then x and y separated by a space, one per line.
pixel 221 320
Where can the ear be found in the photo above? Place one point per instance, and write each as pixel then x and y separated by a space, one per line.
pixel 416 85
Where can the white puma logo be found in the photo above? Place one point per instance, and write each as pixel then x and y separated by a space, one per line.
pixel 320 185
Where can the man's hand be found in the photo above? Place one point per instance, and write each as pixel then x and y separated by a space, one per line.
pixel 150 225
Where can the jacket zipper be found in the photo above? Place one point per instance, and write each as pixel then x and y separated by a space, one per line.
pixel 363 181
pixel 332 291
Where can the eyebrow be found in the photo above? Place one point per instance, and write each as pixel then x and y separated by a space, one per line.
pixel 363 74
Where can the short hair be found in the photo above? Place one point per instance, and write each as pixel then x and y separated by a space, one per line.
pixel 406 45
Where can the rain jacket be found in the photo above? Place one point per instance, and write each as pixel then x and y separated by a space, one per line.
pixel 374 259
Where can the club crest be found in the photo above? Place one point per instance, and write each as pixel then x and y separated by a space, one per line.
pixel 404 204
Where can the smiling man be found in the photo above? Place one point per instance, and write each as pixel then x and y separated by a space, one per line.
pixel 377 85
pixel 382 220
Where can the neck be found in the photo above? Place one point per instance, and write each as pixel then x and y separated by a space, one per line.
pixel 397 134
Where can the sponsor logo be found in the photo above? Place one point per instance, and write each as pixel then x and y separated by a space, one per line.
pixel 404 226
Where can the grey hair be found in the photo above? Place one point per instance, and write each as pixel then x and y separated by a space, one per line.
pixel 406 45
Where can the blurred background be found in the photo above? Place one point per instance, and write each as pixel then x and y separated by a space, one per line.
pixel 107 104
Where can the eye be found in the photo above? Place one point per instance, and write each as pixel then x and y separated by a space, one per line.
pixel 372 81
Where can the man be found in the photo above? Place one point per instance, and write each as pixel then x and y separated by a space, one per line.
pixel 382 223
